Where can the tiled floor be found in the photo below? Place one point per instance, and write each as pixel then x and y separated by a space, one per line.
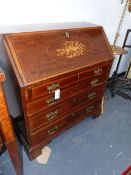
pixel 93 147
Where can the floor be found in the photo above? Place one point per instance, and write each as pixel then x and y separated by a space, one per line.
pixel 93 147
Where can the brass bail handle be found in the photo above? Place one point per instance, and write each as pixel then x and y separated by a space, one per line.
pixel 67 35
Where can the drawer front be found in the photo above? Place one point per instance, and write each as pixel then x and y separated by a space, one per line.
pixel 47 102
pixel 45 134
pixel 82 86
pixel 47 116
pixel 99 71
pixel 48 88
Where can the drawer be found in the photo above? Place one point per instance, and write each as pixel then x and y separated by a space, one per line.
pixel 82 86
pixel 57 111
pixel 43 103
pixel 45 117
pixel 47 133
pixel 99 71
pixel 48 88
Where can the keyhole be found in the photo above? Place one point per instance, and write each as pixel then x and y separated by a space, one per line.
pixel 67 35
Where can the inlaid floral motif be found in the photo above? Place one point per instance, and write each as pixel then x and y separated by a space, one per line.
pixel 71 49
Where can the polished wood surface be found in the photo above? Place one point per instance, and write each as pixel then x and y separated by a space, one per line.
pixel 50 131
pixel 6 130
pixel 39 50
pixel 56 111
pixel 80 78
pixel 75 61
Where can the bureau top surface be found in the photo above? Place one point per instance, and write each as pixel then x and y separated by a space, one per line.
pixel 37 56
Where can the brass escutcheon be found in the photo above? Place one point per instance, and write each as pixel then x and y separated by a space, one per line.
pixel 67 34
pixel 77 86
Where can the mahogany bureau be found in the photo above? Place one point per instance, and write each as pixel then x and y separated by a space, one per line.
pixel 61 76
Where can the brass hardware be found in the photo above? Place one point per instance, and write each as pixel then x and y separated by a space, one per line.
pixel 53 87
pixel 50 100
pixel 78 77
pixel 90 109
pixel 74 100
pixel 52 114
pixel 94 82
pixel 98 71
pixel 92 95
pixel 26 95
pixel 67 35
pixel 52 130
pixel 73 114
pixel 77 86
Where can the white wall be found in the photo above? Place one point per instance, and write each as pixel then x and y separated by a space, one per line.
pixel 42 11
pixel 27 15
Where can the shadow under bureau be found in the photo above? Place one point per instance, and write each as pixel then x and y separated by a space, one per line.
pixel 60 75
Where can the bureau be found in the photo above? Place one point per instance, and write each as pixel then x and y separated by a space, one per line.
pixel 60 75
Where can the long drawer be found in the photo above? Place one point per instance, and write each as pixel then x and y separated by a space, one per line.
pixel 46 102
pixel 57 111
pixel 48 87
pixel 48 132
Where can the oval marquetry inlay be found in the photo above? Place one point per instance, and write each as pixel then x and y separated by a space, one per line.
pixel 71 49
